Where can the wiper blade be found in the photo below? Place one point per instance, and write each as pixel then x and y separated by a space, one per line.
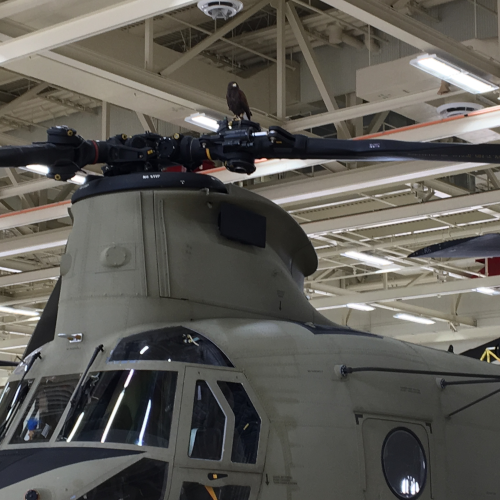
pixel 78 392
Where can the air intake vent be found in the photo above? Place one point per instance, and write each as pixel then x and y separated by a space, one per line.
pixel 457 108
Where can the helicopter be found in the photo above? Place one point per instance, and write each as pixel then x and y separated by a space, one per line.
pixel 178 357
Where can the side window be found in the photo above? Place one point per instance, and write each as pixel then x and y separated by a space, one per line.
pixel 11 400
pixel 246 423
pixel 197 491
pixel 45 409
pixel 207 425
pixel 404 463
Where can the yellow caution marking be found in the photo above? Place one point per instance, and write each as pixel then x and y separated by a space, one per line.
pixel 211 492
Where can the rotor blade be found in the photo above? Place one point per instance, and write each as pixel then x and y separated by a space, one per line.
pixel 41 153
pixel 477 247
pixel 301 147
pixel 8 363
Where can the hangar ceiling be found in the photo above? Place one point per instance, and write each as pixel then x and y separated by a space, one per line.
pixel 338 68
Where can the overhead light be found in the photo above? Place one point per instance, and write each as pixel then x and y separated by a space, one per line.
pixel 487 291
pixel 360 307
pixel 204 121
pixel 23 312
pixel 369 259
pixel 444 70
pixel 415 319
pixel 10 270
pixel 38 169
pixel 13 347
pixel 440 194
pixel 78 179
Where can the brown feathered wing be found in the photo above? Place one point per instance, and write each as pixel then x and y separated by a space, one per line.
pixel 237 102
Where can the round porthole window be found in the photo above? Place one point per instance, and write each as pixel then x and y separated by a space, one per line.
pixel 404 463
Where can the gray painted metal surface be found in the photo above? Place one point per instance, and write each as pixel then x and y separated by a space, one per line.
pixel 144 260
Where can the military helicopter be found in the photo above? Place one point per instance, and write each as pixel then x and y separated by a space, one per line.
pixel 178 358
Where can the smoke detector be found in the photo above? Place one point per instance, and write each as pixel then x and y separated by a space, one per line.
pixel 458 108
pixel 220 9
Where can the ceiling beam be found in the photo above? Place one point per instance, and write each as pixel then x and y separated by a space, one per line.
pixel 34 215
pixel 34 242
pixel 364 110
pixel 124 85
pixel 29 277
pixel 401 214
pixel 487 118
pixel 409 293
pixel 12 7
pixel 87 25
pixel 307 51
pixel 365 179
pixel 415 33
pixel 398 306
pixel 448 233
pixel 207 42
pixel 27 96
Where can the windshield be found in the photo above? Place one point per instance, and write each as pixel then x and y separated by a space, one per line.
pixel 125 406
pixel 11 400
pixel 45 409
pixel 170 344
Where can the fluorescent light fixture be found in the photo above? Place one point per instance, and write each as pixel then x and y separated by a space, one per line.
pixel 204 121
pixel 38 169
pixel 391 269
pixel 320 292
pixel 415 319
pixel 9 270
pixel 78 179
pixel 440 194
pixel 369 259
pixel 23 312
pixel 444 70
pixel 487 291
pixel 361 307
pixel 13 347
pixel 34 318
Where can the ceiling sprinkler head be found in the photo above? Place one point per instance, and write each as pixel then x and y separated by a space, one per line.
pixel 220 9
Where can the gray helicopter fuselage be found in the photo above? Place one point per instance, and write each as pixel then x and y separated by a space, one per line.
pixel 217 380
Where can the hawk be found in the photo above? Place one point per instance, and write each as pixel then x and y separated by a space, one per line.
pixel 237 102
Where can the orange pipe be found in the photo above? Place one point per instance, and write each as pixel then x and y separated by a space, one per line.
pixel 34 209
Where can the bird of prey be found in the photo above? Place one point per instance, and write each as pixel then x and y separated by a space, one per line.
pixel 237 102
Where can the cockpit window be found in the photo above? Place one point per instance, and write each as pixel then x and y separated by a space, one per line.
pixel 207 425
pixel 170 344
pixel 144 480
pixel 11 400
pixel 197 491
pixel 246 423
pixel 45 409
pixel 126 406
